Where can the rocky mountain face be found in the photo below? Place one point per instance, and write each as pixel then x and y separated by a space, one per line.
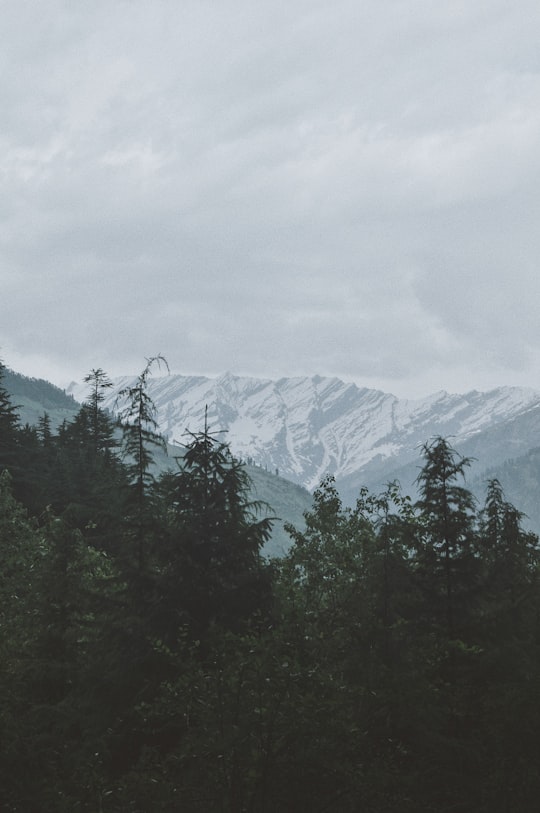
pixel 305 428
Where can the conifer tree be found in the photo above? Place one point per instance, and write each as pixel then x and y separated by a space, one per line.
pixel 213 566
pixel 448 515
pixel 138 418
pixel 21 551
pixel 86 481
pixel 9 426
pixel 139 423
pixel 101 424
pixel 511 556
pixel 44 430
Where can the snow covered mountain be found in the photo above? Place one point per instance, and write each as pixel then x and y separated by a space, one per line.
pixel 306 428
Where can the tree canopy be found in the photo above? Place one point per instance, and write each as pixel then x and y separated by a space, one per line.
pixel 154 660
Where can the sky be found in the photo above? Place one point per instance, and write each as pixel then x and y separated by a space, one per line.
pixel 272 188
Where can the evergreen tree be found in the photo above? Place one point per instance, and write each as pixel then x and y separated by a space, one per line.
pixel 9 426
pixel 211 565
pixel 343 594
pixel 87 487
pixel 138 417
pixel 510 556
pixel 21 550
pixel 44 430
pixel 51 589
pixel 391 661
pixel 139 423
pixel 101 424
pixel 447 555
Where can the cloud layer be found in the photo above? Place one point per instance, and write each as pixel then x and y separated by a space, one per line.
pixel 273 188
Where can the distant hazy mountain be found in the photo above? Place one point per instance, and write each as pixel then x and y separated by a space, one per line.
pixel 299 429
pixel 287 501
pixel 35 396
pixel 305 428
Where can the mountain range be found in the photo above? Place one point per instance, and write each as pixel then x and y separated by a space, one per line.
pixel 297 430
pixel 305 428
pixel 286 501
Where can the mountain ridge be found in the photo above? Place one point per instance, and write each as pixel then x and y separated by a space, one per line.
pixel 499 429
pixel 309 427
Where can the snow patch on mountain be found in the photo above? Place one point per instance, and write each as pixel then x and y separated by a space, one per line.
pixel 307 427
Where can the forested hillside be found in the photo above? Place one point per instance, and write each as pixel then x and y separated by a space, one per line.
pixel 153 660
pixel 33 396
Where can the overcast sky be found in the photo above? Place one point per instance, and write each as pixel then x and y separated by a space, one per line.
pixel 342 187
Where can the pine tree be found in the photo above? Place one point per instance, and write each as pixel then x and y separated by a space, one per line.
pixel 138 418
pixel 139 422
pixel 9 426
pixel 448 515
pixel 511 556
pixel 212 563
pixel 44 430
pixel 102 426
pixel 21 551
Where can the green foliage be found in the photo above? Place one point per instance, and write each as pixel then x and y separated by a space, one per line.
pixel 447 555
pixel 51 591
pixel 138 418
pixel 9 424
pixel 39 391
pixel 32 396
pixel 210 563
pixel 151 660
pixel 102 427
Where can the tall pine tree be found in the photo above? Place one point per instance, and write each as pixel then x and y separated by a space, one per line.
pixel 213 566
pixel 447 555
pixel 9 426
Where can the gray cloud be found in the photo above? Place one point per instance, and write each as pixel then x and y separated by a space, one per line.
pixel 274 188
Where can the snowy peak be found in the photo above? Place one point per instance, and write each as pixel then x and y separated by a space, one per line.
pixel 307 427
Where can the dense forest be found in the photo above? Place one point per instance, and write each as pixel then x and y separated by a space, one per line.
pixel 153 660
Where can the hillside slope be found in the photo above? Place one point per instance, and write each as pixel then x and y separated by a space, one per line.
pixel 35 396
pixel 306 428
pixel 286 501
